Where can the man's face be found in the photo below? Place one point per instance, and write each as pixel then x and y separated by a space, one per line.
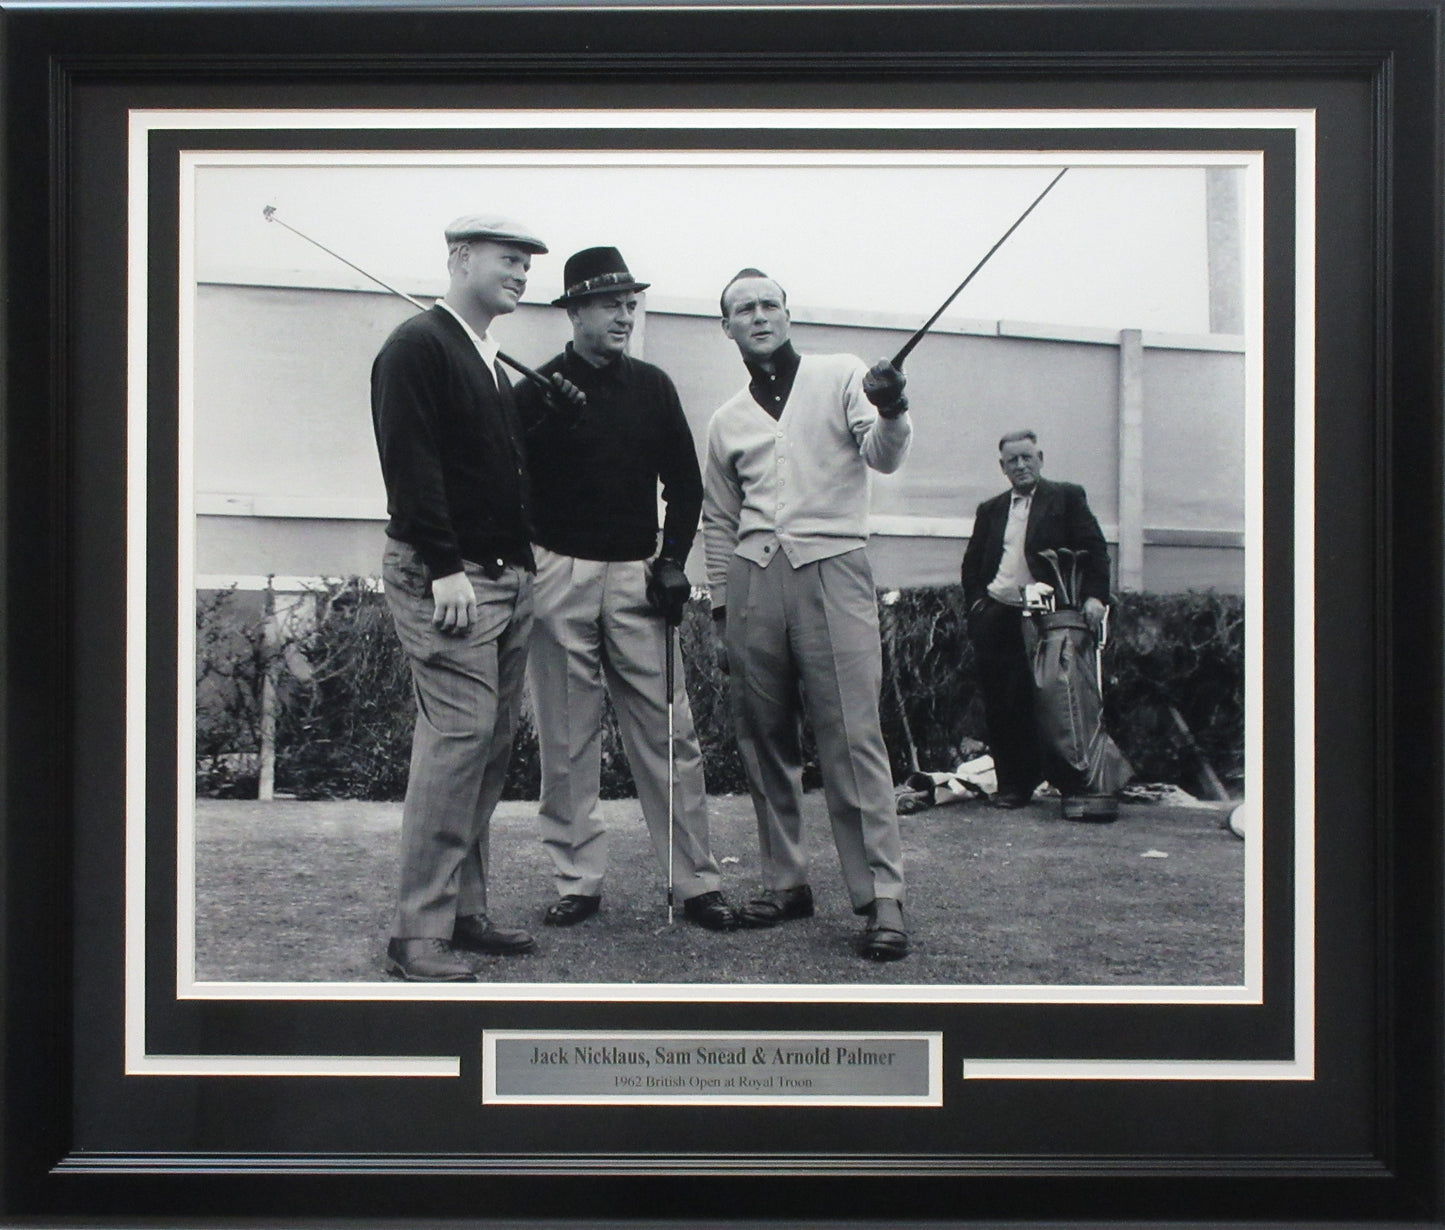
pixel 494 275
pixel 756 318
pixel 602 325
pixel 1021 461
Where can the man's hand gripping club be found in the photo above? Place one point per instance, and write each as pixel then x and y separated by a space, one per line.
pixel 883 386
pixel 668 589
pixel 565 398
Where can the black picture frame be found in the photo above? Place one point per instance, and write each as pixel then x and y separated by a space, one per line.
pixel 1365 1137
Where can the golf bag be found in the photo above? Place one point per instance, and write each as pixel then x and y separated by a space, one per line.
pixel 1079 757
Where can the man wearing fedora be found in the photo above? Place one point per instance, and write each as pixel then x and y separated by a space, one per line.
pixel 601 606
pixel 785 523
pixel 458 572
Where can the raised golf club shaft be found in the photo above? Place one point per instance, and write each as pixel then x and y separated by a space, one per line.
pixel 270 214
pixel 932 320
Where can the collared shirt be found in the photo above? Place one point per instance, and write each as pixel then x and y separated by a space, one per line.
pixel 770 389
pixel 1013 569
pixel 595 476
pixel 486 345
pixel 795 485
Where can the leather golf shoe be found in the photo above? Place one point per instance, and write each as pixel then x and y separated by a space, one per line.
pixel 777 905
pixel 426 960
pixel 884 938
pixel 710 910
pixel 475 933
pixel 572 908
pixel 1009 800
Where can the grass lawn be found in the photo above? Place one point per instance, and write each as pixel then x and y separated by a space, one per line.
pixel 303 892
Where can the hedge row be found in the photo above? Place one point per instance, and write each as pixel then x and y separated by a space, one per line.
pixel 1174 694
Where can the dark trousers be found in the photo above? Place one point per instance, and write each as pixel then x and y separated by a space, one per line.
pixel 996 631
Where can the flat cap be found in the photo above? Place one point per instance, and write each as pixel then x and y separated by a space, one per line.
pixel 496 228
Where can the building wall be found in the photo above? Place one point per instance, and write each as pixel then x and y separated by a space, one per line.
pixel 1194 459
pixel 287 481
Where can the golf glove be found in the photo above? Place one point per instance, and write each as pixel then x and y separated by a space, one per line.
pixel 668 589
pixel 883 386
pixel 566 399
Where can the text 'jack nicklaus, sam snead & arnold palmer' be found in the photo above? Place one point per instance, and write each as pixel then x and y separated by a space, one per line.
pixel 816 1056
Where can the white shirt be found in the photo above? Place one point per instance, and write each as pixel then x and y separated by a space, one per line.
pixel 485 344
pixel 1013 569
pixel 796 485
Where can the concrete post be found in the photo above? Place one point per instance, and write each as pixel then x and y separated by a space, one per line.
pixel 637 343
pixel 1131 460
pixel 1223 223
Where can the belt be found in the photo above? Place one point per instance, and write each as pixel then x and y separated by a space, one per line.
pixel 493 566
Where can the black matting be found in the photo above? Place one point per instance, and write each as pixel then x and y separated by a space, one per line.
pixel 1362 1141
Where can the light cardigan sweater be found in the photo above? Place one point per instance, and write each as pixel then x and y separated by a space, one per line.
pixel 796 485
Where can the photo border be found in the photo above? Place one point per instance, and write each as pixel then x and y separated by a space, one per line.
pixel 251 129
pixel 1395 1172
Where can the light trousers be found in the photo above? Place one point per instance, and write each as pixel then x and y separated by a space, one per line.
pixel 808 638
pixel 594 630
pixel 468 692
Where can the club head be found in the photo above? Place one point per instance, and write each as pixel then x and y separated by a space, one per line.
pixel 1051 557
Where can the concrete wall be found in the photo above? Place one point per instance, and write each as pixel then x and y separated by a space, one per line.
pixel 287 481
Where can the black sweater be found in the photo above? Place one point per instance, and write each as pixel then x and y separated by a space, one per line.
pixel 450 444
pixel 595 483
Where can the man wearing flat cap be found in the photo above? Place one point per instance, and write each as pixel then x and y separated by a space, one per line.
pixel 605 587
pixel 458 572
pixel 785 523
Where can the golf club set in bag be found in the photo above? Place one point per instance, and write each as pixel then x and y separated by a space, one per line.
pixel 1066 659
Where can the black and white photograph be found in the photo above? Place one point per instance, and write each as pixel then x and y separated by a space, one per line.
pixel 429 794
pixel 990 732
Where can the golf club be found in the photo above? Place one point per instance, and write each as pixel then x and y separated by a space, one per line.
pixel 671 758
pixel 269 211
pixel 932 320
pixel 1100 641
pixel 1068 573
pixel 1051 557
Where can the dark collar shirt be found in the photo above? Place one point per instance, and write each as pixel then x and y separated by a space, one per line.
pixel 450 444
pixel 595 477
pixel 770 389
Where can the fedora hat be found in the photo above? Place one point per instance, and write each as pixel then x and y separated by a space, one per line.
pixel 595 271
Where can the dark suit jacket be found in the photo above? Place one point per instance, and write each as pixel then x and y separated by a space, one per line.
pixel 1058 517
